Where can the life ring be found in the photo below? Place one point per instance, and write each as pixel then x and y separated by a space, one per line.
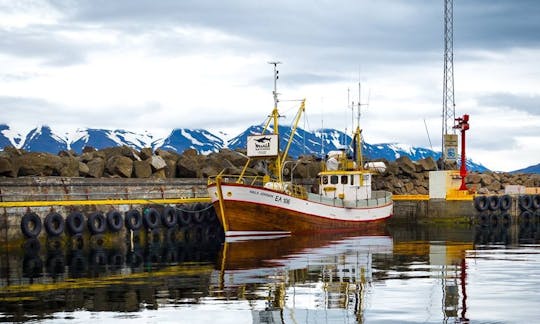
pixel 169 218
pixel 198 215
pixel 481 203
pixel 505 202
pixel 535 202
pixel 151 218
pixel 525 202
pixel 114 220
pixel 75 223
pixel 184 216
pixel 31 225
pixel 97 224
pixel 54 224
pixel 133 220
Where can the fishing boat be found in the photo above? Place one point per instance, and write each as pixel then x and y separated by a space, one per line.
pixel 268 205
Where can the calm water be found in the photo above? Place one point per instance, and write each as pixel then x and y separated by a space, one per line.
pixel 404 274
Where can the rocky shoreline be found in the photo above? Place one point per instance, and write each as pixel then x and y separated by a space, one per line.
pixel 402 176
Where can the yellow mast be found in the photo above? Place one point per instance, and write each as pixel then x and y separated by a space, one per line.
pixel 275 116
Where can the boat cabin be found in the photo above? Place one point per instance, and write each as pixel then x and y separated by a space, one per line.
pixel 346 185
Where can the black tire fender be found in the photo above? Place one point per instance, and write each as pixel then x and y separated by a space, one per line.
pixel 97 224
pixel 535 202
pixel 493 203
pixel 54 224
pixel 75 223
pixel 481 203
pixel 31 225
pixel 114 220
pixel 133 220
pixel 151 218
pixel 525 202
pixel 168 217
pixel 505 202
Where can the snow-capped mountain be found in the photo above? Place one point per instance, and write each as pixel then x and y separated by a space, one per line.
pixel 44 139
pixel 181 139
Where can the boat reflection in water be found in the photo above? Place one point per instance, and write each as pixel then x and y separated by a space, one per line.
pixel 315 278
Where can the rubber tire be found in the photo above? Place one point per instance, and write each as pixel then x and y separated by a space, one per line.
pixel 493 203
pixel 151 218
pixel 506 220
pixel 28 218
pixel 525 202
pixel 168 217
pixel 51 220
pixel 184 217
pixel 75 223
pixel 505 202
pixel 481 203
pixel 115 221
pixel 198 215
pixel 97 224
pixel 535 202
pixel 131 215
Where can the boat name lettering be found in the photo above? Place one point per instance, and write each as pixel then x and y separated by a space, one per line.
pixel 283 200
pixel 255 192
pixel 267 194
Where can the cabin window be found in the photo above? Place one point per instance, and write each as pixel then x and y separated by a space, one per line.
pixel 352 180
pixel 344 179
pixel 325 180
pixel 334 179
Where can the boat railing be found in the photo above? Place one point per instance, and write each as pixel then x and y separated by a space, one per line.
pixel 230 178
pixel 377 198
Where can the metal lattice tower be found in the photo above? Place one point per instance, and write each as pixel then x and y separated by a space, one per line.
pixel 449 105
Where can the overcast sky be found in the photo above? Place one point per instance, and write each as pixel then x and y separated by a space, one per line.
pixel 156 65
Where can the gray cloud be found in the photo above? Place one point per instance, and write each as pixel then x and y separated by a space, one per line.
pixel 526 103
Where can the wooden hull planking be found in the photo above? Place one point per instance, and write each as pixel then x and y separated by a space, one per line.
pixel 260 211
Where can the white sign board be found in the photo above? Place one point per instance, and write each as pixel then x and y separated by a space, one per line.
pixel 262 145
pixel 451 146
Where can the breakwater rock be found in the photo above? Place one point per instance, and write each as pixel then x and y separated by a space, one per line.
pixel 412 178
pixel 402 176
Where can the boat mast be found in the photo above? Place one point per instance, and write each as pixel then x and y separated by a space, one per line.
pixel 358 134
pixel 275 116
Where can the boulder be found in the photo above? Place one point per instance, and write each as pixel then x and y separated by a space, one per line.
pixel 70 166
pixel 406 166
pixel 142 169
pixel 6 168
pixel 120 166
pixel 157 163
pixel 426 164
pixel 39 164
pixel 96 167
pixel 83 169
pixel 145 153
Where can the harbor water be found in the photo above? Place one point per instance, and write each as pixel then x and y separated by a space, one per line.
pixel 437 273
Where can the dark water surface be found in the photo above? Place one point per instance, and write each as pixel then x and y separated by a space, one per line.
pixel 404 274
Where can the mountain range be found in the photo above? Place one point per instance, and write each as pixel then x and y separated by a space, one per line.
pixel 318 142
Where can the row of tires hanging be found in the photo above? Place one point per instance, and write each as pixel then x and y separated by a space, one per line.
pixel 504 202
pixel 114 221
pixel 493 210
